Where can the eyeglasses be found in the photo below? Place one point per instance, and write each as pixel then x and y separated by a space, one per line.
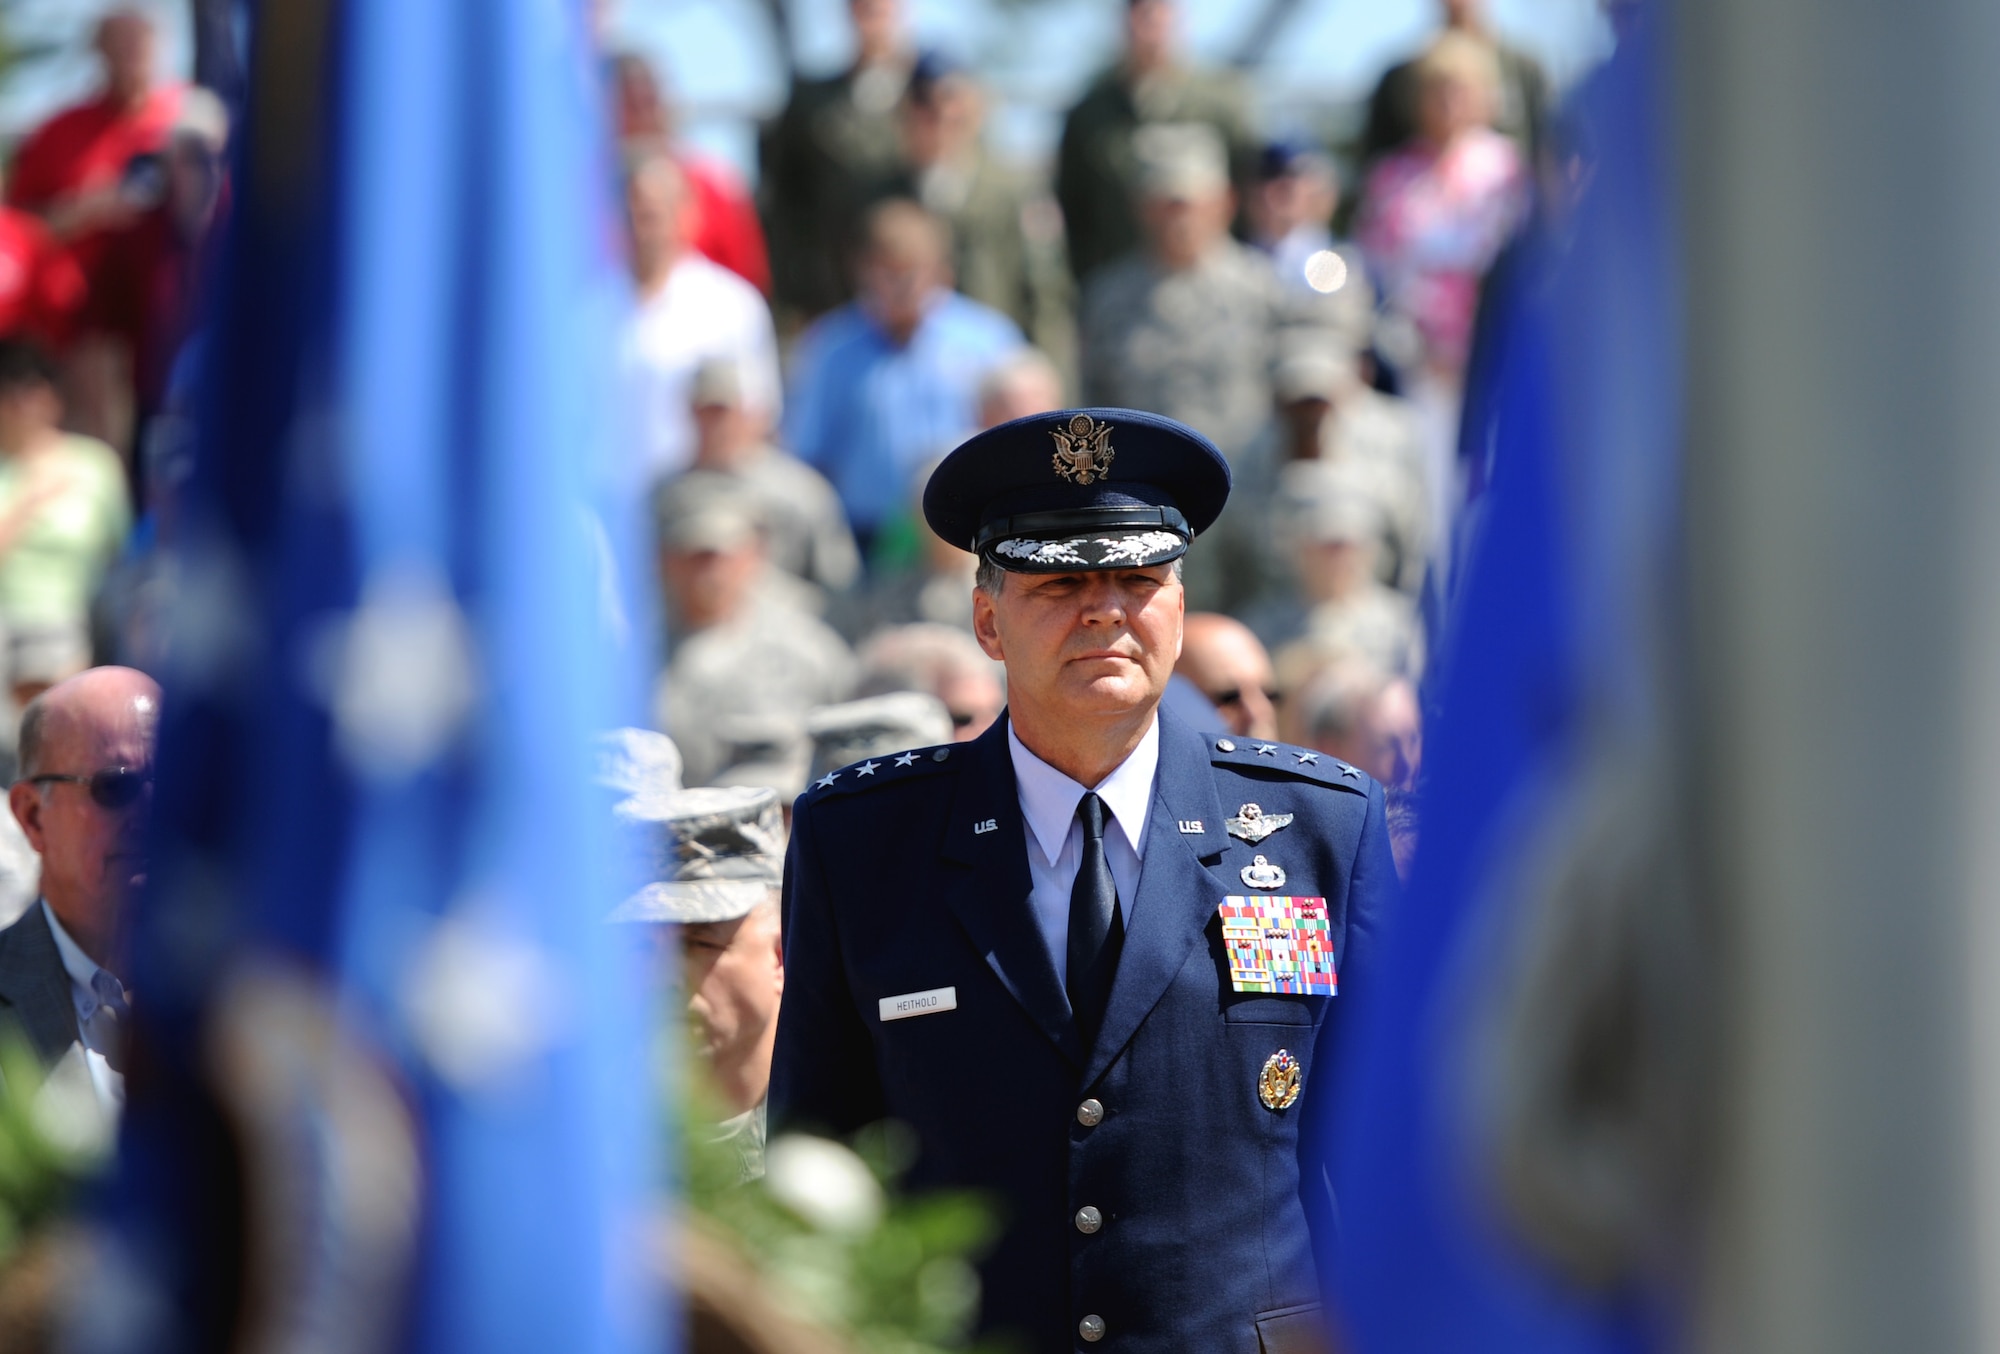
pixel 116 788
pixel 1234 696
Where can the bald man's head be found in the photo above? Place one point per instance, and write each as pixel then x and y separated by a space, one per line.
pixel 83 796
pixel 128 43
pixel 88 702
pixel 1229 664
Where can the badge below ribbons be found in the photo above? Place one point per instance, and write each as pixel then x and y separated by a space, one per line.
pixel 1279 944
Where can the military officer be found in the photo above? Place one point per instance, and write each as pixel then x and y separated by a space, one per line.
pixel 714 906
pixel 834 149
pixel 1096 169
pixel 1094 959
pixel 1192 324
pixel 1006 231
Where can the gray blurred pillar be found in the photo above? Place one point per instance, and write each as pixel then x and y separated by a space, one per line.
pixel 1843 215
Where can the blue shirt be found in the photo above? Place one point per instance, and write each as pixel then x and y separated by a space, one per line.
pixel 1055 837
pixel 868 414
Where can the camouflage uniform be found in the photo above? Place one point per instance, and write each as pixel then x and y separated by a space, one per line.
pixel 1197 345
pixel 1097 170
pixel 805 531
pixel 775 660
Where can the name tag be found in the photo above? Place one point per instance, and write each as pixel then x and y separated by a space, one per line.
pixel 920 1003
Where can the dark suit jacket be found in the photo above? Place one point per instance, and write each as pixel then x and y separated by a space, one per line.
pixel 34 986
pixel 915 877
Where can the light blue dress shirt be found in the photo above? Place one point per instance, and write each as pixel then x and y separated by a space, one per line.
pixel 1055 837
pixel 97 1028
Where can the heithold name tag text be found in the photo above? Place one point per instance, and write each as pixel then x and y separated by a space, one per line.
pixel 920 1003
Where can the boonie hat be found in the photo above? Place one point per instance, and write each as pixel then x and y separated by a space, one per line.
pixel 721 852
pixel 878 726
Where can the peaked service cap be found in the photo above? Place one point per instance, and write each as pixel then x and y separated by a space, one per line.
pixel 1078 489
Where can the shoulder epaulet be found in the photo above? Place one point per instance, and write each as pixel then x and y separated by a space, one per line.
pixel 891 768
pixel 1301 763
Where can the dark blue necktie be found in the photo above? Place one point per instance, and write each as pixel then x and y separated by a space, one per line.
pixel 1095 932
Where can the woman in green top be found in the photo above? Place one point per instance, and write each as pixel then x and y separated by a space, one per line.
pixel 64 514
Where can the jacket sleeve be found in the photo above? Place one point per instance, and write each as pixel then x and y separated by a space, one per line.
pixel 823 1073
pixel 1372 891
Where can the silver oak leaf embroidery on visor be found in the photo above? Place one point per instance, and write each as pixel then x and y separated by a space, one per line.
pixel 1136 548
pixel 1042 552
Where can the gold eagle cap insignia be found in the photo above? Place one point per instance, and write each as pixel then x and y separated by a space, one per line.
pixel 1083 450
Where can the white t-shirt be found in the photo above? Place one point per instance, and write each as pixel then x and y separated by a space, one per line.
pixel 703 312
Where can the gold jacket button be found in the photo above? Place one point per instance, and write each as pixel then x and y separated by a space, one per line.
pixel 1090 1113
pixel 1088 1220
pixel 1091 1328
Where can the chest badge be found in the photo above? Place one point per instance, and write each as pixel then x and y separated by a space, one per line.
pixel 1262 874
pixel 1278 1083
pixel 1252 824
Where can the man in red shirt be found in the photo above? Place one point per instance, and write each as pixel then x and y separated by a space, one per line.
pixel 143 293
pixel 88 171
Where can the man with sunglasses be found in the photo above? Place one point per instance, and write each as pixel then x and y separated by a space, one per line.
pixel 1221 657
pixel 85 787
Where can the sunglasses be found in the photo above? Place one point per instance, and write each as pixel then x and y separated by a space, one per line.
pixel 1235 695
pixel 117 788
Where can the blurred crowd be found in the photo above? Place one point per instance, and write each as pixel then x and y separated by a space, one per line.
pixel 796 361
pixel 798 358
pixel 801 359
pixel 110 212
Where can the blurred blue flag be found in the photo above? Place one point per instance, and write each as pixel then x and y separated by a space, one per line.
pixel 1555 636
pixel 392 1087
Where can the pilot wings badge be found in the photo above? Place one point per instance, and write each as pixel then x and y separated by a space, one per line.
pixel 1083 453
pixel 1252 824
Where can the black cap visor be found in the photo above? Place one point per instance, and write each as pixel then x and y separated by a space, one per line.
pixel 1084 538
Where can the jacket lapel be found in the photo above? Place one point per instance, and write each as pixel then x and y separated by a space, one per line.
pixel 1177 895
pixel 990 892
pixel 34 983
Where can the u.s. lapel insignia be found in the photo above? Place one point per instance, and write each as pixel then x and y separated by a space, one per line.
pixel 1252 824
pixel 1083 453
pixel 1278 1083
pixel 1262 874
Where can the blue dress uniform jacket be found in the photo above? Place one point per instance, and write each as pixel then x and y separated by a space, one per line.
pixel 910 874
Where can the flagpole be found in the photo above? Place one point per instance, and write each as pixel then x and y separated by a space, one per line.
pixel 1844 369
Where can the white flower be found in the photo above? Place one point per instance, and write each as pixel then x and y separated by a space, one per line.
pixel 824 1183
